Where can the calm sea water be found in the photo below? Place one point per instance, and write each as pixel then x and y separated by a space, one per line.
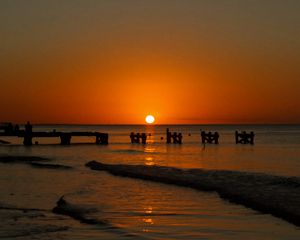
pixel 143 209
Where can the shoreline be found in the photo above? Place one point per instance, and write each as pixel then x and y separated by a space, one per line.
pixel 270 194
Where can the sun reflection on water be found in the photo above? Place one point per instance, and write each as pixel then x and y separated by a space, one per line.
pixel 149 161
pixel 149 150
pixel 148 210
pixel 148 220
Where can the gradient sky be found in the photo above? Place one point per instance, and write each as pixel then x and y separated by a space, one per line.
pixel 184 61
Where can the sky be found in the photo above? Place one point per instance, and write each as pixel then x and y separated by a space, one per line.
pixel 183 61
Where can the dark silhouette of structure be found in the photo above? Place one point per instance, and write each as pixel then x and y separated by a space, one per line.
pixel 28 134
pixel 244 138
pixel 177 138
pixel 65 137
pixel 210 137
pixel 8 128
pixel 136 137
pixel 28 127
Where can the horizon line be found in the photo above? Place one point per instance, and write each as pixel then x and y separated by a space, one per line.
pixel 163 124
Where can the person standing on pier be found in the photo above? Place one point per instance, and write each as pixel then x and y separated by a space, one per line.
pixel 28 134
pixel 28 128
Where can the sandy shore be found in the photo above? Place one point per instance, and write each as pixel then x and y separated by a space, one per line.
pixel 276 195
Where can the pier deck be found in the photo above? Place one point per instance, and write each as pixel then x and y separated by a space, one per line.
pixel 101 138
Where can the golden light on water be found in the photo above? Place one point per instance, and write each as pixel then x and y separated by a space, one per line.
pixel 149 119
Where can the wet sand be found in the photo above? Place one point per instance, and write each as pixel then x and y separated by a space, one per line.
pixel 38 162
pixel 276 195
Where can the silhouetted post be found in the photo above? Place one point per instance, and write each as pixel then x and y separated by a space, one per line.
pixel 65 139
pixel 144 138
pixel 203 137
pixel 168 136
pixel 251 138
pixel 104 138
pixel 174 136
pixel 28 134
pixel 138 136
pixel 135 138
pixel 179 138
pixel 209 137
pixel 132 137
pixel 216 137
pixel 236 137
pixel 244 137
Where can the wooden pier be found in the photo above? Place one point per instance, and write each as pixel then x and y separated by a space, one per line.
pixel 137 137
pixel 65 137
pixel 176 137
pixel 244 137
pixel 210 137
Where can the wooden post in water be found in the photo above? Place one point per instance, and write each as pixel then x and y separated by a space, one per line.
pixel 177 138
pixel 244 138
pixel 102 138
pixel 135 138
pixel 144 138
pixel 27 139
pixel 168 136
pixel 210 137
pixel 65 139
pixel 28 134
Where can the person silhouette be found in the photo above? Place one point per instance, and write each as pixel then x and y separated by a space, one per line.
pixel 28 134
pixel 28 127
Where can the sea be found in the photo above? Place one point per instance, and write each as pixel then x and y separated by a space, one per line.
pixel 138 209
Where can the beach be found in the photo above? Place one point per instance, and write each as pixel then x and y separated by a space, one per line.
pixel 152 191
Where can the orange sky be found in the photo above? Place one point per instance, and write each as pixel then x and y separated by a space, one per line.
pixel 115 61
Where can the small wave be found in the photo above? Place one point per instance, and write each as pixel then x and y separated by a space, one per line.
pixel 81 214
pixel 279 196
pixel 76 212
pixel 23 222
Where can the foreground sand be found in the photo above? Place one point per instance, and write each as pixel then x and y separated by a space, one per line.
pixel 276 195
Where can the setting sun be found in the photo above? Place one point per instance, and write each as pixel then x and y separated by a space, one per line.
pixel 150 119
